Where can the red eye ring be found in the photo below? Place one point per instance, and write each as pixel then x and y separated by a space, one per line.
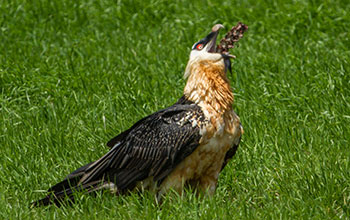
pixel 199 46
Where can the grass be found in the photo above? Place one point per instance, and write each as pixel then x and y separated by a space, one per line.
pixel 73 74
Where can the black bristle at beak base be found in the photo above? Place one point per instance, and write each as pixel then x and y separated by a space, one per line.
pixel 228 65
pixel 227 62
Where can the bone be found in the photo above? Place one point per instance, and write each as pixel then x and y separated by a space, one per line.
pixel 231 37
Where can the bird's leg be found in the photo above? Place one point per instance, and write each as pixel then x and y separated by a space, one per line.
pixel 175 183
pixel 208 184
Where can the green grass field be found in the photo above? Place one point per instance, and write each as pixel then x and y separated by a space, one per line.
pixel 73 74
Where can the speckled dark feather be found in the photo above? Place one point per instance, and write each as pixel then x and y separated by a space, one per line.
pixel 153 146
pixel 157 144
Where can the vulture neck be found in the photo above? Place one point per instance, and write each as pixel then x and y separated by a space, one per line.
pixel 208 86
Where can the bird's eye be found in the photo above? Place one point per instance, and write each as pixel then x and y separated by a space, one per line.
pixel 199 46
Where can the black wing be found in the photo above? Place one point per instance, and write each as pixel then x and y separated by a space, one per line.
pixel 150 148
pixel 231 152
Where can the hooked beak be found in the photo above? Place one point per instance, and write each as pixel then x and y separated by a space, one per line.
pixel 211 38
pixel 210 41
pixel 212 47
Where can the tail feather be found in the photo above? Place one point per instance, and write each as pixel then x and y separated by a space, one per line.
pixel 71 180
pixel 65 189
pixel 67 194
pixel 87 179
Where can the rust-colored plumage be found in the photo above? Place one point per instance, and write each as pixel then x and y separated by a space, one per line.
pixel 188 143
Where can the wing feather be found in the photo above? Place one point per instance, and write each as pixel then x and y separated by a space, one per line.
pixel 152 147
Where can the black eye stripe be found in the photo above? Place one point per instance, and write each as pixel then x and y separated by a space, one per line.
pixel 204 41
